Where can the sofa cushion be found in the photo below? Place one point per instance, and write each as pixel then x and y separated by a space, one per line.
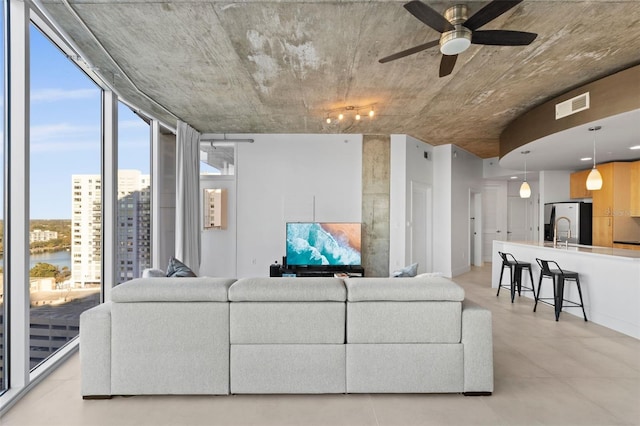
pixel 417 288
pixel 288 369
pixel 187 289
pixel 170 348
pixel 406 368
pixel 287 322
pixel 404 322
pixel 288 289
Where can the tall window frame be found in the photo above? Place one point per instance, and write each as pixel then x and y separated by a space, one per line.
pixel 20 15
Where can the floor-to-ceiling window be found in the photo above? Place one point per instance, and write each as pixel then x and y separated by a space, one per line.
pixel 65 197
pixel 53 199
pixel 133 228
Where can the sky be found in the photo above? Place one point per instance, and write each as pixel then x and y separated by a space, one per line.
pixel 65 130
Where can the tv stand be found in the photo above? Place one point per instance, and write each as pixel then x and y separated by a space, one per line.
pixel 317 271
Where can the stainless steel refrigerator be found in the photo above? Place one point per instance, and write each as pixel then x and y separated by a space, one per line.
pixel 568 221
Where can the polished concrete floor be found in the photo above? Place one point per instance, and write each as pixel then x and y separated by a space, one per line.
pixel 546 373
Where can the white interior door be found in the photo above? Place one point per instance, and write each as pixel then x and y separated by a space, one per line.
pixel 494 218
pixel 421 234
pixel 517 219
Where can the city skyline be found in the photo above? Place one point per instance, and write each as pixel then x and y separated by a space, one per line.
pixel 65 130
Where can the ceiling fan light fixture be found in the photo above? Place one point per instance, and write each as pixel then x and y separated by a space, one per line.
pixel 456 41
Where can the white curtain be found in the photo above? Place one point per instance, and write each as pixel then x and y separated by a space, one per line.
pixel 188 196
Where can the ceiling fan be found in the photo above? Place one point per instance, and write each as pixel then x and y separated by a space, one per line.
pixel 458 31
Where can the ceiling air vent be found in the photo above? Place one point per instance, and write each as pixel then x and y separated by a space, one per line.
pixel 573 105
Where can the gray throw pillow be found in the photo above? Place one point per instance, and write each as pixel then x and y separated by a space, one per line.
pixel 407 271
pixel 178 269
pixel 153 272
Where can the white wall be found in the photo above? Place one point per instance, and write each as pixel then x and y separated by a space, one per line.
pixel 442 208
pixel 408 164
pixel 288 177
pixel 533 211
pixel 457 174
pixel 466 177
pixel 219 245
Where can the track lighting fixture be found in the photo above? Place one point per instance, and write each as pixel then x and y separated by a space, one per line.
pixel 339 114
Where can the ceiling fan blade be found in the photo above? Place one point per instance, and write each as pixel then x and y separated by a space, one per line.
pixel 490 12
pixel 503 38
pixel 447 63
pixel 428 16
pixel 408 52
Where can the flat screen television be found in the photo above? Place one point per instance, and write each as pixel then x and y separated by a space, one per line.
pixel 323 243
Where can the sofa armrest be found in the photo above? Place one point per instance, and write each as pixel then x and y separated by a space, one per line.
pixel 477 338
pixel 95 351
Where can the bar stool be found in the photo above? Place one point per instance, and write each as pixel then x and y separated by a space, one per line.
pixel 558 276
pixel 515 273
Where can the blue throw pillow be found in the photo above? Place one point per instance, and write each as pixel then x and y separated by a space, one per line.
pixel 178 269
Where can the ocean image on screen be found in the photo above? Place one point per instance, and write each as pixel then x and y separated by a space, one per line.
pixel 323 244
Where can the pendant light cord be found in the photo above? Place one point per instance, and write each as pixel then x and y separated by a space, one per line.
pixel 594 129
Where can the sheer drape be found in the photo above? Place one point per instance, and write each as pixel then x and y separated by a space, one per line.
pixel 188 196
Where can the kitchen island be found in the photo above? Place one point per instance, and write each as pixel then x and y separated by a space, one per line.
pixel 610 280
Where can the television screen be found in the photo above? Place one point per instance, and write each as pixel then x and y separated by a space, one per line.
pixel 317 243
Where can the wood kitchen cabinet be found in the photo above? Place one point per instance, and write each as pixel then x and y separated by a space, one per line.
pixel 603 198
pixel 578 184
pixel 602 231
pixel 611 203
pixel 634 188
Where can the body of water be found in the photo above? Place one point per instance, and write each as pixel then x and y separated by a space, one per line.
pixel 59 258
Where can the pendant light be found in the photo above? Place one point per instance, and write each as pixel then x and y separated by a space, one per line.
pixel 594 180
pixel 525 189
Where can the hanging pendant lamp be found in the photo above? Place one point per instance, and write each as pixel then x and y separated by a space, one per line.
pixel 525 189
pixel 594 180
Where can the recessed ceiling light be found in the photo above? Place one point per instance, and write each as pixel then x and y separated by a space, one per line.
pixel 514 177
pixel 586 158
pixel 635 147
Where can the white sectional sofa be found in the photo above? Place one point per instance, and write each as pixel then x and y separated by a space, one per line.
pixel 219 336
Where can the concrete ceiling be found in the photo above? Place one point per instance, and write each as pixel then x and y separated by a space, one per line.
pixel 255 66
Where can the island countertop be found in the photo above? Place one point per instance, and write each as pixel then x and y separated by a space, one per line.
pixel 609 277
pixel 577 248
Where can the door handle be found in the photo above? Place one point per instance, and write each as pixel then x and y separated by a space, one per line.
pixel 498 231
pixel 509 232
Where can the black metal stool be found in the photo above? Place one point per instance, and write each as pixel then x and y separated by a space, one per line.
pixel 558 276
pixel 515 273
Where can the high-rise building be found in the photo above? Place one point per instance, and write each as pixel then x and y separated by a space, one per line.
pixel 40 235
pixel 133 250
pixel 133 227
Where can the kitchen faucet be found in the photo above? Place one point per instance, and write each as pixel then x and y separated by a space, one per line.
pixel 555 230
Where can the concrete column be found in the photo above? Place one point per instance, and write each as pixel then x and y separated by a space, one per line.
pixel 375 204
